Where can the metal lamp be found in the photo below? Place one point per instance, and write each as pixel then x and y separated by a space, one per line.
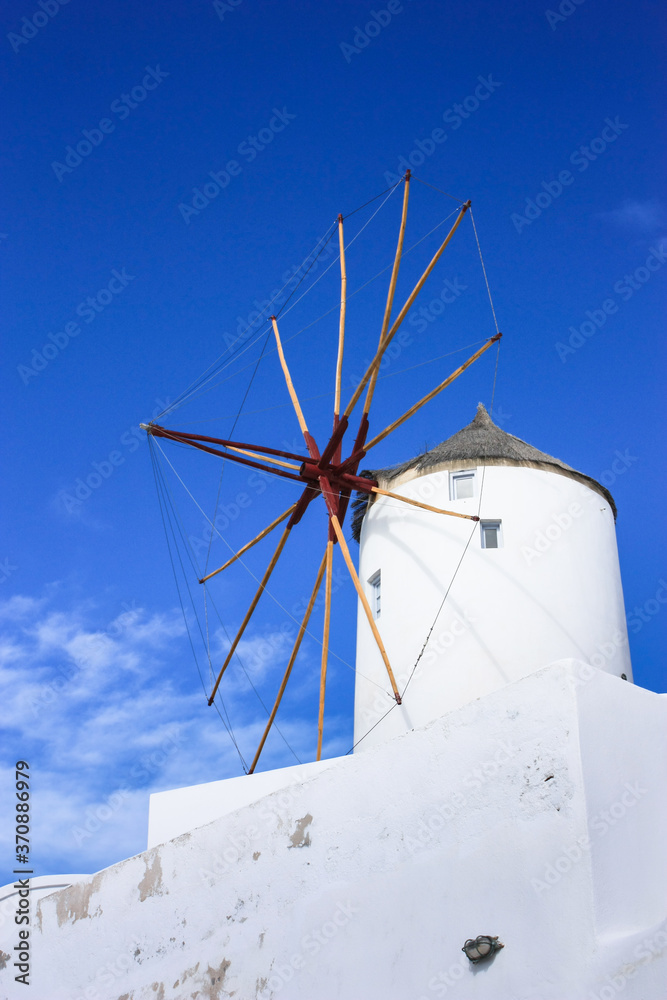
pixel 481 948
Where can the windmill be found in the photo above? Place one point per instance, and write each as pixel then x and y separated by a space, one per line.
pixel 324 472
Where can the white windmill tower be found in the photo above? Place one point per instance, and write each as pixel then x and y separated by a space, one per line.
pixel 465 610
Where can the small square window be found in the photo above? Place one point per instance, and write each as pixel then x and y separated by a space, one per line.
pixel 491 538
pixel 462 485
pixel 375 583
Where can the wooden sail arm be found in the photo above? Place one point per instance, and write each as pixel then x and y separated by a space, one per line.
pixel 364 603
pixel 429 396
pixel 424 506
pixel 325 646
pixel 390 293
pixel 266 458
pixel 341 322
pixel 288 671
pixel 232 457
pixel 375 363
pixel 158 431
pixel 307 436
pixel 253 605
pixel 249 545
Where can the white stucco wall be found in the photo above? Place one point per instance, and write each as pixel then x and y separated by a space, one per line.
pixel 178 810
pixel 551 591
pixel 529 814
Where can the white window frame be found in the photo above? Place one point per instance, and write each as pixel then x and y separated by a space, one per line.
pixel 488 523
pixel 460 474
pixel 375 584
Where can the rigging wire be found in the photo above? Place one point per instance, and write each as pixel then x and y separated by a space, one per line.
pixel 257 694
pixel 228 724
pixel 323 395
pixel 355 237
pixel 249 571
pixel 201 380
pixel 230 435
pixel 324 314
pixel 199 390
pixel 367 203
pixel 210 542
pixel 174 512
pixel 161 498
pixel 217 504
pixel 495 377
pixel 324 240
pixel 439 190
pixel 486 280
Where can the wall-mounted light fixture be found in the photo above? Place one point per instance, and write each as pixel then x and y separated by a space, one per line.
pixel 482 947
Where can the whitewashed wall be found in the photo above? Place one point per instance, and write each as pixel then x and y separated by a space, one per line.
pixel 178 810
pixel 552 591
pixel 534 813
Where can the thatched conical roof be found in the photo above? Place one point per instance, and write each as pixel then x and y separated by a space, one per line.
pixel 480 443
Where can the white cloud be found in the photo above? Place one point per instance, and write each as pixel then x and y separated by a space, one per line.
pixel 18 607
pixel 100 707
pixel 637 216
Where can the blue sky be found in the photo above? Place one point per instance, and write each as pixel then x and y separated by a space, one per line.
pixel 123 281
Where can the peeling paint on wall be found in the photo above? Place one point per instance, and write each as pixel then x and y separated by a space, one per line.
pixel 300 838
pixel 151 883
pixel 214 981
pixel 73 903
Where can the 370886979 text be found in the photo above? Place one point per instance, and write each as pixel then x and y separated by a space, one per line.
pixel 22 885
